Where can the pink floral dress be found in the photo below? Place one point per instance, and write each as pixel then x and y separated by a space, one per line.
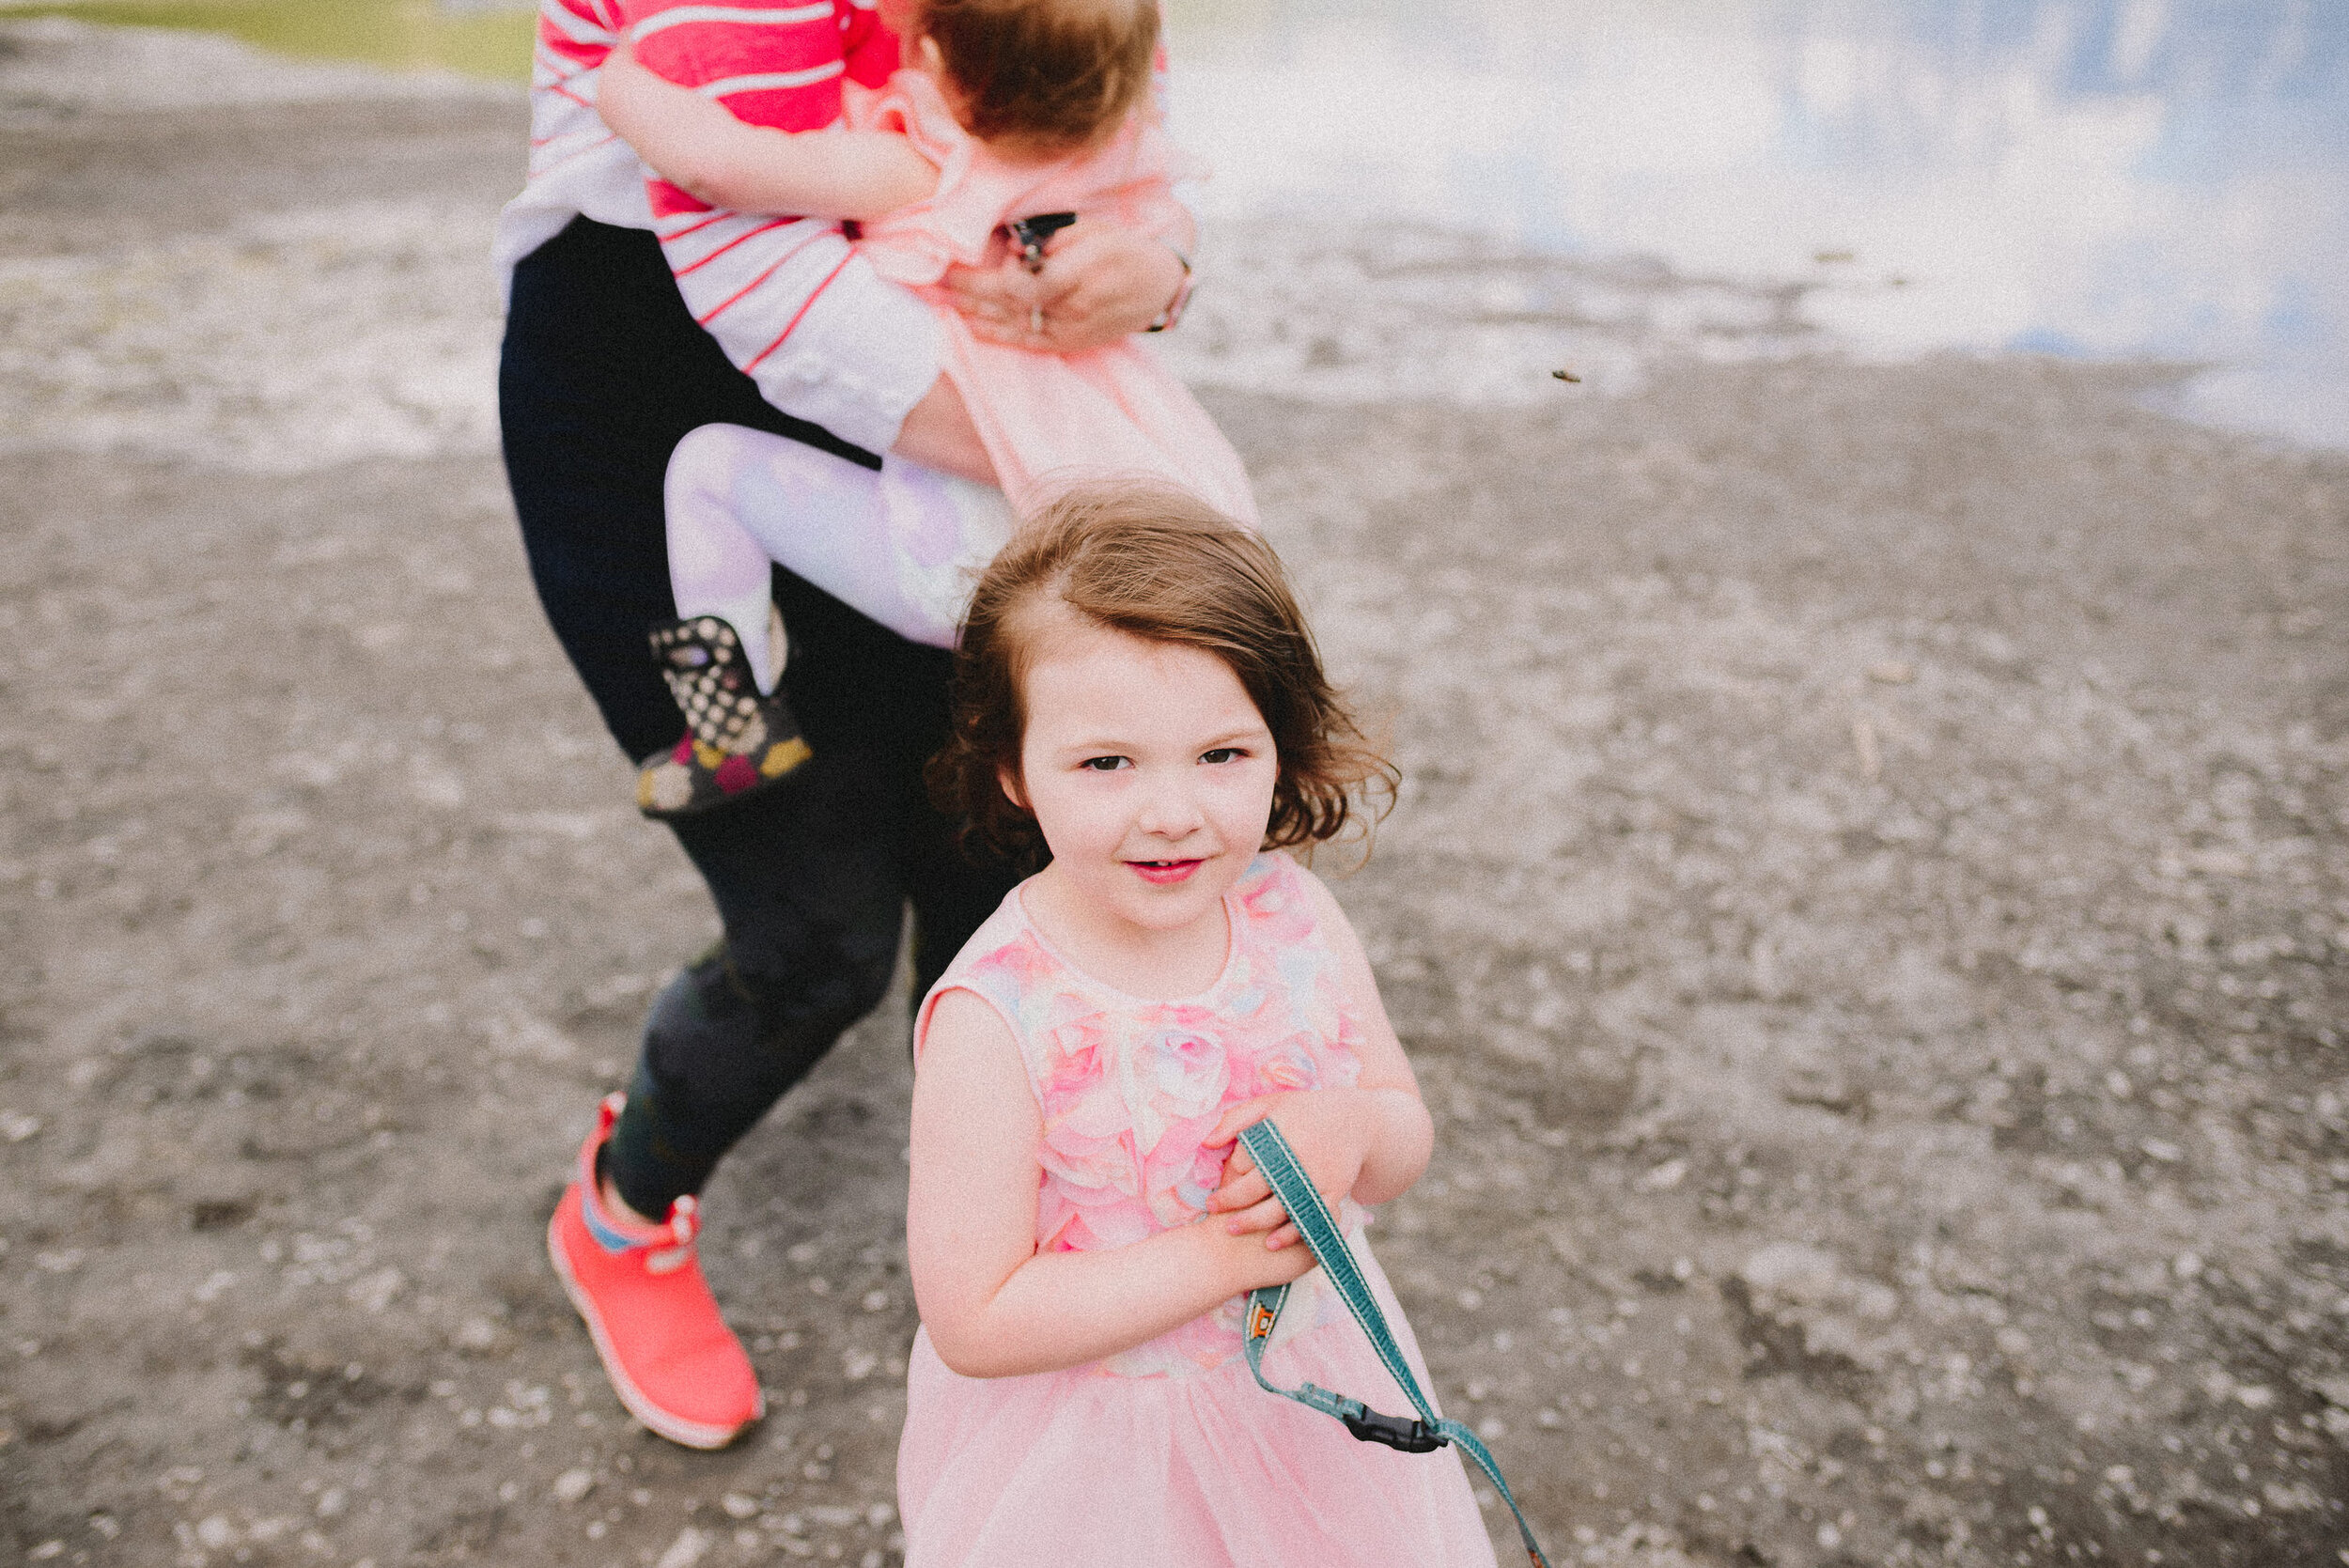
pixel 1169 1454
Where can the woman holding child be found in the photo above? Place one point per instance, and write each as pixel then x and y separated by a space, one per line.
pixel 604 371
pixel 1139 708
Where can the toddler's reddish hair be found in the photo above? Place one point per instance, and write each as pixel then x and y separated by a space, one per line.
pixel 1048 77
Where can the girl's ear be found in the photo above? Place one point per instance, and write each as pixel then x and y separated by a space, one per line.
pixel 930 57
pixel 1007 777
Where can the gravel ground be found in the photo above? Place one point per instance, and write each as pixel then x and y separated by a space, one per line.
pixel 1870 906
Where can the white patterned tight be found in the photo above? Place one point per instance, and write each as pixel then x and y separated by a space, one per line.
pixel 904 545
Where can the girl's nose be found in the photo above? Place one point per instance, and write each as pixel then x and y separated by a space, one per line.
pixel 1169 811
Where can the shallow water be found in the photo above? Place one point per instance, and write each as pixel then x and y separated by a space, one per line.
pixel 1449 198
pixel 2113 178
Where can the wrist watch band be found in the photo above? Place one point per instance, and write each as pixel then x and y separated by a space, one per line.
pixel 1173 311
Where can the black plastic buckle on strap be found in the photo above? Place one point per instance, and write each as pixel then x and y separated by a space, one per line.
pixel 1029 233
pixel 1407 1434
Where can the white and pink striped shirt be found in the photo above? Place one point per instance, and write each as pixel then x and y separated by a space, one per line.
pixel 770 62
pixel 826 340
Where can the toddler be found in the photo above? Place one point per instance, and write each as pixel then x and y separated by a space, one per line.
pixel 1010 110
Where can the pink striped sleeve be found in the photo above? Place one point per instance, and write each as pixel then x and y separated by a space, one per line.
pixel 775 63
pixel 575 34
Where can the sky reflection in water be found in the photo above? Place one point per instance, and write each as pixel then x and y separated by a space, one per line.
pixel 2164 178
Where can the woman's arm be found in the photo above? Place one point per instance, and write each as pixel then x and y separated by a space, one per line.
pixel 938 433
pixel 1369 1142
pixel 994 1306
pixel 694 144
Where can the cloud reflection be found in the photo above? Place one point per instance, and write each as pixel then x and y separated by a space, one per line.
pixel 2165 178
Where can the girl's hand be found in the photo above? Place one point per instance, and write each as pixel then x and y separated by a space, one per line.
pixel 1246 1260
pixel 1100 283
pixel 1332 1132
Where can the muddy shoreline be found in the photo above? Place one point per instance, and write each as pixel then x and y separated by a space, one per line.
pixel 1870 906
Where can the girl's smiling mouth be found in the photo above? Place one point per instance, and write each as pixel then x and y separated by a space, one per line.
pixel 1164 873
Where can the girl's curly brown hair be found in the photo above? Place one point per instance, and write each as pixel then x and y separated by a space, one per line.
pixel 1157 564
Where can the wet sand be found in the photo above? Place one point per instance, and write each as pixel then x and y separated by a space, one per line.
pixel 1870 908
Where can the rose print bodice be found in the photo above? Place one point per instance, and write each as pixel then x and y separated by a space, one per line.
pixel 1128 1087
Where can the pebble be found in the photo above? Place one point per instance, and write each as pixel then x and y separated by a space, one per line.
pixel 689 1548
pixel 1665 1177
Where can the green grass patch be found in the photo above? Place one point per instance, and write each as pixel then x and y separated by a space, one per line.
pixel 404 34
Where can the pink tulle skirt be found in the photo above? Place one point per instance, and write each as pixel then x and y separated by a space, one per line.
pixel 1188 1468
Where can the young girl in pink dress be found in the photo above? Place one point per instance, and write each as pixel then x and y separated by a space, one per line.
pixel 1009 109
pixel 1138 696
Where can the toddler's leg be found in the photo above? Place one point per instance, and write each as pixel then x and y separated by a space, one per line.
pixel 723 656
pixel 904 545
pixel 717 568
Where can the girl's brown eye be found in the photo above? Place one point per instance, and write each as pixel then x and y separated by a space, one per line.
pixel 1222 754
pixel 1103 765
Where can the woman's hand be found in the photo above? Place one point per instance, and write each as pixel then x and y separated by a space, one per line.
pixel 1099 283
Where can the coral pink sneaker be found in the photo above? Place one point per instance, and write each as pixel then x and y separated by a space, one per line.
pixel 671 1358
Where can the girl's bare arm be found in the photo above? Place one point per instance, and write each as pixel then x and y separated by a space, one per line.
pixel 695 144
pixel 994 1305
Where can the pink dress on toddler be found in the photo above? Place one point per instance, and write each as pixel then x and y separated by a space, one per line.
pixel 1169 1454
pixel 1043 417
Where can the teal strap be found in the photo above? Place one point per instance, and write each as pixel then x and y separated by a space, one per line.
pixel 1313 1220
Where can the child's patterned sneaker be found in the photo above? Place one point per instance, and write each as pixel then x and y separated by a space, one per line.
pixel 736 741
pixel 671 1358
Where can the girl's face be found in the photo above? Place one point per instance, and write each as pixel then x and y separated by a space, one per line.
pixel 1150 772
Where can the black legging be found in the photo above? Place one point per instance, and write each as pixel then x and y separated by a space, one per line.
pixel 603 372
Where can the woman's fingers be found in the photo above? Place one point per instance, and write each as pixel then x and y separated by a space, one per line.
pixel 1013 332
pixel 1097 283
pixel 1029 326
pixel 1002 304
pixel 1006 285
